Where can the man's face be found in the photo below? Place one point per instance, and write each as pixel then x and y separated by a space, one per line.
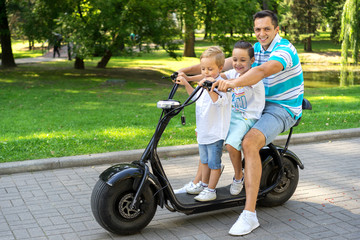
pixel 265 31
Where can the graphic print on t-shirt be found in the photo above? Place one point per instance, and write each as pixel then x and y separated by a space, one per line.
pixel 239 103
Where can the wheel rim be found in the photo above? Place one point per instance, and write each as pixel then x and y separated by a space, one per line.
pixel 124 207
pixel 284 181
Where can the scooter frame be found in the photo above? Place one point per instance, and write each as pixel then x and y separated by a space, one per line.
pixel 271 156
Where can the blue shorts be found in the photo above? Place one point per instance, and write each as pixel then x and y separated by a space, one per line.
pixel 210 154
pixel 239 126
pixel 274 120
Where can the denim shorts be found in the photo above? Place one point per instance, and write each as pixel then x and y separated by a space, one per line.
pixel 239 126
pixel 210 154
pixel 274 120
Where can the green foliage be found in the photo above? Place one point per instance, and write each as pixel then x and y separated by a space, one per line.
pixel 332 11
pixel 350 32
pixel 303 20
pixel 231 20
pixel 96 27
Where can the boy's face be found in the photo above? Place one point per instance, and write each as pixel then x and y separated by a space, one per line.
pixel 265 31
pixel 241 60
pixel 209 68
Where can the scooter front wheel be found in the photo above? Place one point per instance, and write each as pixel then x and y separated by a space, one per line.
pixel 111 207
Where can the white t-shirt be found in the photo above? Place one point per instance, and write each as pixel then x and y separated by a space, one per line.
pixel 212 118
pixel 249 100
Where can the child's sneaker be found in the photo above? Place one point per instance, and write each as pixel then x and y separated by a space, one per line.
pixel 196 189
pixel 206 195
pixel 183 189
pixel 236 187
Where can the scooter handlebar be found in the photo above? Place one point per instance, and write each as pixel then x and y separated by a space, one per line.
pixel 207 84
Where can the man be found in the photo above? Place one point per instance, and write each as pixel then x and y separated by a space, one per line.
pixel 278 65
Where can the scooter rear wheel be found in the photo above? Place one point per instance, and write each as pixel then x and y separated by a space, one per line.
pixel 286 187
pixel 111 207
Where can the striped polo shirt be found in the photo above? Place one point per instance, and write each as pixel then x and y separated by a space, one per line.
pixel 287 86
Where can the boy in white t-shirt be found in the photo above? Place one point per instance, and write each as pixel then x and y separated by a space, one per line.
pixel 213 113
pixel 247 106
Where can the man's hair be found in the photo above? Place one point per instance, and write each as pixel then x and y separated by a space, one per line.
pixel 245 45
pixel 267 13
pixel 215 52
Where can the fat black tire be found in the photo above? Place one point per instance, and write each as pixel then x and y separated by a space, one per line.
pixel 286 187
pixel 110 207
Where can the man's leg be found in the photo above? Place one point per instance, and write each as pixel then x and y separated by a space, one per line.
pixel 254 140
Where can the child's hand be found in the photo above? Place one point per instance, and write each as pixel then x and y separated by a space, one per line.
pixel 181 80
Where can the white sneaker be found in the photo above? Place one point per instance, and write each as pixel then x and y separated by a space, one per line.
pixel 236 187
pixel 196 189
pixel 245 224
pixel 183 189
pixel 206 195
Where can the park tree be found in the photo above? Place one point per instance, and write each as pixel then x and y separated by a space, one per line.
pixel 332 12
pixel 304 18
pixel 270 5
pixel 103 28
pixel 219 17
pixel 7 57
pixel 350 32
pixel 206 13
pixel 233 21
pixel 187 11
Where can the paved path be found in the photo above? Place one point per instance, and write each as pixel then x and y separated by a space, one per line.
pixel 55 204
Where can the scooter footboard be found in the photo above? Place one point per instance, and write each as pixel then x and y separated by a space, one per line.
pixel 124 171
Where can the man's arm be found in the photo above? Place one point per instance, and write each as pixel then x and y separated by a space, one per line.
pixel 191 70
pixel 251 77
pixel 195 69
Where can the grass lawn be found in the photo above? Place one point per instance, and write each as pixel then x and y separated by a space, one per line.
pixel 52 110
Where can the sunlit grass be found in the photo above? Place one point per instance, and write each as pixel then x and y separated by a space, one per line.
pixel 53 110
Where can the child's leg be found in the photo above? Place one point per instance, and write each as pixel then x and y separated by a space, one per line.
pixel 198 174
pixel 215 153
pixel 235 157
pixel 214 178
pixel 205 173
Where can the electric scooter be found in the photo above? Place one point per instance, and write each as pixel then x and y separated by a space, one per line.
pixel 125 198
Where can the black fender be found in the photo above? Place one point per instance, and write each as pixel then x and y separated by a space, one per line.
pixel 267 156
pixel 123 171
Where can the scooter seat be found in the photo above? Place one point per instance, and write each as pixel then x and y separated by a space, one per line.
pixel 306 105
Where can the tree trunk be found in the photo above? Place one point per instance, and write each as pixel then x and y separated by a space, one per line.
pixel 79 63
pixel 189 48
pixel 308 45
pixel 7 57
pixel 105 59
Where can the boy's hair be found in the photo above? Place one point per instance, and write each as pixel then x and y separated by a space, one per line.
pixel 215 52
pixel 267 13
pixel 246 46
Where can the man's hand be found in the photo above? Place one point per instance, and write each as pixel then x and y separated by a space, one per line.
pixel 222 85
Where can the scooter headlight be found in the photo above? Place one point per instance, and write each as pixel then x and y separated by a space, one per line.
pixel 168 104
